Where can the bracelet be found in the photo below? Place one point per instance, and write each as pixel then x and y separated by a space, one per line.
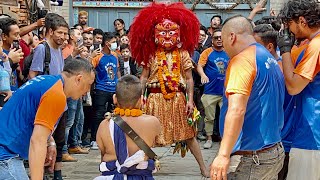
pixel 52 143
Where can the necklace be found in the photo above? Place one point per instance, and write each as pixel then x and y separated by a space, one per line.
pixel 172 78
pixel 127 112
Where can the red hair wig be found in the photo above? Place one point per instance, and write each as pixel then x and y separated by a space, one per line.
pixel 142 30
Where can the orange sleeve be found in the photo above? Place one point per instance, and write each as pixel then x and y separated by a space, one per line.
pixel 280 65
pixel 204 57
pixel 240 75
pixel 114 54
pixel 51 107
pixel 67 51
pixel 295 53
pixel 309 65
pixel 186 61
pixel 95 61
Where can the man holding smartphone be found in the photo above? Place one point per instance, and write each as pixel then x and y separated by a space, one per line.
pixel 10 37
pixel 74 47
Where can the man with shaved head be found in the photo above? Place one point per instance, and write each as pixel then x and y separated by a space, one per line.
pixel 252 111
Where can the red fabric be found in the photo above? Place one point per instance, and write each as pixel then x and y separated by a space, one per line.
pixel 142 30
pixel 26 52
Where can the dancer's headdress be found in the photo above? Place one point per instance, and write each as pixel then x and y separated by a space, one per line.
pixel 142 37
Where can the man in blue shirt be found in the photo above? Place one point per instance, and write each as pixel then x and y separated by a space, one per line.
pixel 56 33
pixel 211 67
pixel 26 133
pixel 252 112
pixel 302 19
pixel 107 67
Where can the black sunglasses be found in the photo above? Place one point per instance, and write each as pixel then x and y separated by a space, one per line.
pixel 216 37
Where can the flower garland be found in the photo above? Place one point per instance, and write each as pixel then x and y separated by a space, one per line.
pixel 127 112
pixel 172 78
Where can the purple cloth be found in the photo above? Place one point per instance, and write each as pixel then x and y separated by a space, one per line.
pixel 56 64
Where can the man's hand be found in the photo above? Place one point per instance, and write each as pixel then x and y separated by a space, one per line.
pixel 8 94
pixel 15 55
pixel 285 41
pixel 77 51
pixel 259 7
pixel 219 168
pixel 204 79
pixel 51 158
pixel 95 53
pixel 273 12
pixel 40 22
pixel 189 107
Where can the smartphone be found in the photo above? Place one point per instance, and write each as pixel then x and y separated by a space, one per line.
pixel 96 46
pixel 80 42
pixel 15 44
pixel 2 102
pixel 42 13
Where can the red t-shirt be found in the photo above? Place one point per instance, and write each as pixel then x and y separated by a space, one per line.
pixel 26 51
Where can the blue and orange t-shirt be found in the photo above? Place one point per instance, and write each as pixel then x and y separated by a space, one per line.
pixel 107 68
pixel 307 133
pixel 215 64
pixel 291 112
pixel 40 101
pixel 255 73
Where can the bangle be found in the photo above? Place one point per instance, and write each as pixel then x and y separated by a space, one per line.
pixel 51 143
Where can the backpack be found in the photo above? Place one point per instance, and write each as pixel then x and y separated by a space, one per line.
pixel 28 61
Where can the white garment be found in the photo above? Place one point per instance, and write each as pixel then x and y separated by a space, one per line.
pixel 304 164
pixel 126 68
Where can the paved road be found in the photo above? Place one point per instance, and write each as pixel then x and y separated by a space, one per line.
pixel 173 166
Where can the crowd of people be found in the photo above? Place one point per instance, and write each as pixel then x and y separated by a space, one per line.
pixel 69 89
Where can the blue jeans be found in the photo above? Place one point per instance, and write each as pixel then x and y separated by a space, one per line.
pixel 74 123
pixel 13 169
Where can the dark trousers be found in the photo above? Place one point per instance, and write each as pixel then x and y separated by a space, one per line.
pixel 58 136
pixel 87 110
pixel 102 102
pixel 198 91
pixel 216 131
pixel 284 171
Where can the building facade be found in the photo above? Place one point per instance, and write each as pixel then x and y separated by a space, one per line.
pixel 102 13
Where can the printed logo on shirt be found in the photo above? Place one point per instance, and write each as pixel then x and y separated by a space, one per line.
pixel 110 71
pixel 37 78
pixel 270 61
pixel 221 67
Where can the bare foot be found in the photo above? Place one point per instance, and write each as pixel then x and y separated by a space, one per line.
pixel 205 173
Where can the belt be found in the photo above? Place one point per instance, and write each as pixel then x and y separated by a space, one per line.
pixel 255 152
pixel 158 90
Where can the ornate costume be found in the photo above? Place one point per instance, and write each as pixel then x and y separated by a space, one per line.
pixel 161 38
